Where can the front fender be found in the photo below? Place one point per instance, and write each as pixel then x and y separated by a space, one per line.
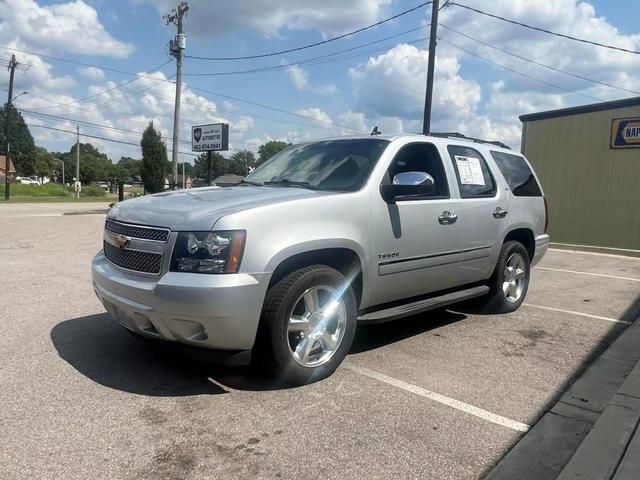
pixel 324 244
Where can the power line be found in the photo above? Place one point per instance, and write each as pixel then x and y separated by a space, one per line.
pixel 275 109
pixel 575 75
pixel 316 44
pixel 123 142
pixel 539 80
pixel 131 94
pixel 301 62
pixel 74 62
pixel 108 127
pixel 544 30
pixel 117 87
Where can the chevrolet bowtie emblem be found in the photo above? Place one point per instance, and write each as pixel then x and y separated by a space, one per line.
pixel 121 240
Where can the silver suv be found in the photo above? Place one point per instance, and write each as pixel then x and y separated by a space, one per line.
pixel 322 236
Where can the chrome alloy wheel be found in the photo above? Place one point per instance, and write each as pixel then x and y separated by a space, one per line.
pixel 514 278
pixel 316 326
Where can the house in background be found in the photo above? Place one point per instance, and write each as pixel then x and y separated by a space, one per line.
pixel 188 182
pixel 12 169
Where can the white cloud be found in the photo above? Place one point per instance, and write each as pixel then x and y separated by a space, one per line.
pixel 123 109
pixel 269 17
pixel 70 27
pixel 92 73
pixel 570 17
pixel 300 79
pixel 329 89
pixel 353 120
pixel 316 114
pixel 392 85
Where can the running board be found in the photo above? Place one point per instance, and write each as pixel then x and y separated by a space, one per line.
pixel 425 305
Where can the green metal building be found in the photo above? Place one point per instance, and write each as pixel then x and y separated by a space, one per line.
pixel 588 161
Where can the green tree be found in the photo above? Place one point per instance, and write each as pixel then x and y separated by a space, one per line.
pixel 94 165
pixel 189 170
pixel 154 166
pixel 269 149
pixel 218 165
pixel 242 162
pixel 22 145
pixel 126 168
pixel 44 163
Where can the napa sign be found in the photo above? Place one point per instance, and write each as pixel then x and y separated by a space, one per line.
pixel 625 133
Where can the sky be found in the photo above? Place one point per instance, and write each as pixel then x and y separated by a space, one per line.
pixel 374 78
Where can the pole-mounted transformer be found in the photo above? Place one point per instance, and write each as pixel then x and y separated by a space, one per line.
pixel 176 49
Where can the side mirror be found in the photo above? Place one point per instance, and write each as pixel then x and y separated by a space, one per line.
pixel 412 178
pixel 412 185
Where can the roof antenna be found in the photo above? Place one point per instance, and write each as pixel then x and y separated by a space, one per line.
pixel 375 131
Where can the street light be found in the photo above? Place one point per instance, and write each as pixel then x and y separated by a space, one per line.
pixel 19 95
pixel 58 160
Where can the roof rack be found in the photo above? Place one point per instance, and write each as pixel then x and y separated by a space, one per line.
pixel 472 139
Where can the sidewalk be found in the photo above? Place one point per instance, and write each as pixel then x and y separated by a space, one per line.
pixel 611 450
pixel 592 432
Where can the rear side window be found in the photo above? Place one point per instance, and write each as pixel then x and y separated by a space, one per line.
pixel 518 175
pixel 474 177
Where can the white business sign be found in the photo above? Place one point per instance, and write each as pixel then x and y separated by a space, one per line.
pixel 213 137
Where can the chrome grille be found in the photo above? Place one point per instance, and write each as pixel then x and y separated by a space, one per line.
pixel 146 262
pixel 134 231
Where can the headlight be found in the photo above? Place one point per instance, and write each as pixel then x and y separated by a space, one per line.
pixel 208 252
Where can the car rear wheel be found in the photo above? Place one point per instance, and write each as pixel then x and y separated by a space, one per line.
pixel 510 280
pixel 307 326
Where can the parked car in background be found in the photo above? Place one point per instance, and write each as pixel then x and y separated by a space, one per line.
pixel 26 181
pixel 103 185
pixel 319 237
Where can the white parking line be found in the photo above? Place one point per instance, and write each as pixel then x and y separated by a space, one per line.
pixel 33 215
pixel 588 273
pixel 572 312
pixel 625 253
pixel 436 397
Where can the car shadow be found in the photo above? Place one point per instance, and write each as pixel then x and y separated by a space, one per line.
pixel 372 336
pixel 103 351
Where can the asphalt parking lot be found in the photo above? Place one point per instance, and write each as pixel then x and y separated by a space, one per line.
pixel 443 395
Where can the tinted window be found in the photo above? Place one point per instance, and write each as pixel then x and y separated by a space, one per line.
pixel 339 165
pixel 517 174
pixel 474 177
pixel 421 157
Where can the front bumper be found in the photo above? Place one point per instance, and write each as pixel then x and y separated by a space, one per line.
pixel 542 245
pixel 213 311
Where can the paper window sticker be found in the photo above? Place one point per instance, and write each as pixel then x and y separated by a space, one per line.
pixel 476 171
pixel 464 170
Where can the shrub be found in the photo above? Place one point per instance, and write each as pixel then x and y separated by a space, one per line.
pixel 46 190
pixel 91 191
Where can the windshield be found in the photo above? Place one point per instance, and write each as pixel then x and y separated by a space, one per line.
pixel 337 165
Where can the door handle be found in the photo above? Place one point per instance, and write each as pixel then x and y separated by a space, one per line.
pixel 447 218
pixel 500 213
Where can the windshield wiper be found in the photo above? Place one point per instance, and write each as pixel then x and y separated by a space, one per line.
pixel 293 183
pixel 249 182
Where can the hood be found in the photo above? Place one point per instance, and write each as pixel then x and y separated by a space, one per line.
pixel 199 208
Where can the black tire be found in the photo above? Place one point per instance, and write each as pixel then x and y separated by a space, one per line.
pixel 272 351
pixel 496 301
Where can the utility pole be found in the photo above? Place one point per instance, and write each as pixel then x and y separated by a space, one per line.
pixel 176 48
pixel 78 162
pixel 58 160
pixel 244 157
pixel 7 159
pixel 426 125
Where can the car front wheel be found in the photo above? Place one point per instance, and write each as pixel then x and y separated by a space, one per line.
pixel 307 326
